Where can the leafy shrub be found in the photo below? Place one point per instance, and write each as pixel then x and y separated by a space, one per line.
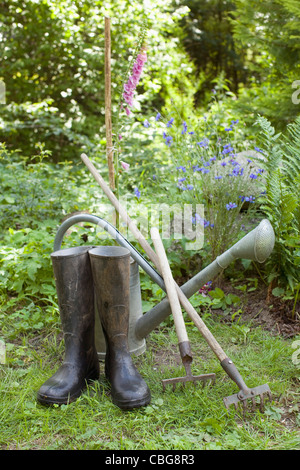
pixel 33 189
pixel 53 68
pixel 281 201
pixel 25 264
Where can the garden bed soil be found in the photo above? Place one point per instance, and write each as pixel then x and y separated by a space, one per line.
pixel 263 309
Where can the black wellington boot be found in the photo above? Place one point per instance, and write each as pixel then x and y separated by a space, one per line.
pixel 75 293
pixel 111 274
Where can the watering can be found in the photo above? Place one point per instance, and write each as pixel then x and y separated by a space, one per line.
pixel 257 245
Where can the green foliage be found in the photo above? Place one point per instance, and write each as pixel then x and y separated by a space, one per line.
pixel 53 68
pixel 25 262
pixel 281 202
pixel 269 32
pixel 33 190
pixel 224 301
pixel 53 64
pixel 27 285
pixel 35 196
pixel 208 39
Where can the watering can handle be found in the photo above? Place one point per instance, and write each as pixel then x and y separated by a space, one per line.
pixel 115 234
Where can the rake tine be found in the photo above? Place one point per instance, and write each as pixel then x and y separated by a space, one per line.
pixel 192 378
pixel 262 403
pixel 249 393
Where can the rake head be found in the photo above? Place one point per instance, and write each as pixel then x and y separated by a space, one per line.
pixel 249 393
pixel 188 378
pixel 245 392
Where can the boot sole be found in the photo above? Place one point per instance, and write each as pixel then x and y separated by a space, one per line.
pixel 48 400
pixel 132 404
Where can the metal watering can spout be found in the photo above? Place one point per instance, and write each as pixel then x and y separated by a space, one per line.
pixel 257 245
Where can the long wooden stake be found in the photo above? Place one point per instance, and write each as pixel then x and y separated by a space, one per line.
pixel 108 121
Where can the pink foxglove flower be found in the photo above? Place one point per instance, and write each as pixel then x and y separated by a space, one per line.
pixel 125 166
pixel 132 82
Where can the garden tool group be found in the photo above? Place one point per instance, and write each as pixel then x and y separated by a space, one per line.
pixel 260 253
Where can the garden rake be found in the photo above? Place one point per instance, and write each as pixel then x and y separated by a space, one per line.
pixel 226 363
pixel 184 344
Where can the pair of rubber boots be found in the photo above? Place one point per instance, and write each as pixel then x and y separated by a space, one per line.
pixel 83 274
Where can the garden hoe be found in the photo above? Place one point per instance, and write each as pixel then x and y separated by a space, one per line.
pixel 226 363
pixel 184 344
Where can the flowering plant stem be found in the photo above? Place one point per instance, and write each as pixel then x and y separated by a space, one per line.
pixel 129 75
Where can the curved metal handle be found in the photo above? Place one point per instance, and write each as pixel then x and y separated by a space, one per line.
pixel 116 235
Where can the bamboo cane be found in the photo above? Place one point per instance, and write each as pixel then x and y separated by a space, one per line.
pixel 108 120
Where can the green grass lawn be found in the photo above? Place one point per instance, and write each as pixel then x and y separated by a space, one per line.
pixel 190 418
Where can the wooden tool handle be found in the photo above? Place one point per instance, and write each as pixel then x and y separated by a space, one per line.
pixel 170 286
pixel 212 342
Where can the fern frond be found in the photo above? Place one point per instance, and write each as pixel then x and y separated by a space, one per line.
pixel 281 202
pixel 292 152
pixel 271 144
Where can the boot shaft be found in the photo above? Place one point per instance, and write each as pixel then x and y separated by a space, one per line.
pixel 75 294
pixel 111 275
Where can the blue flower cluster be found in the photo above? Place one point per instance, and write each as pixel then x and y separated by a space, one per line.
pixel 204 143
pixel 184 130
pixel 197 219
pixel 227 148
pixel 247 198
pixel 231 205
pixel 168 139
pixel 204 166
pixel 237 169
pixel 182 168
pixel 137 192
pixel 180 185
pixel 258 172
pixel 230 128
